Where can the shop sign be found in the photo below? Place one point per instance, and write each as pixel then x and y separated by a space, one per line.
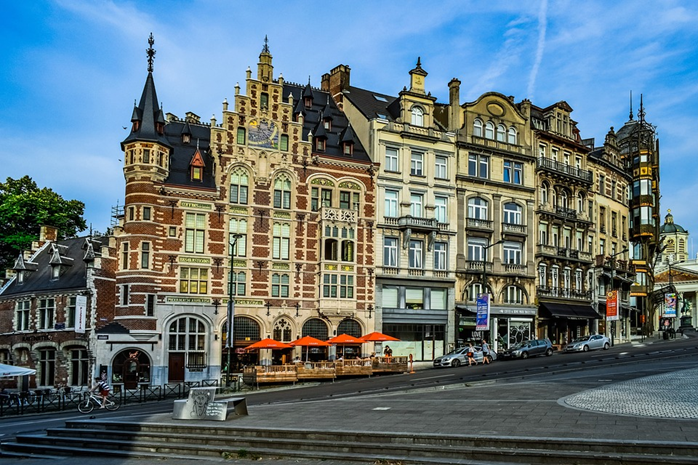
pixel 187 300
pixel 200 206
pixel 199 260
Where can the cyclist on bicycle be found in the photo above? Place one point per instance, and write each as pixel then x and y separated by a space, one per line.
pixel 103 388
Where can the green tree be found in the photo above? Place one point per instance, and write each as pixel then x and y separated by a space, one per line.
pixel 24 208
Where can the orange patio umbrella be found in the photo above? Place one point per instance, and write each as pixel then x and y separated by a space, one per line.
pixel 378 337
pixel 309 341
pixel 344 340
pixel 268 343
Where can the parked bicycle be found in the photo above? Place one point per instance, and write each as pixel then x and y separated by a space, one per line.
pixel 91 401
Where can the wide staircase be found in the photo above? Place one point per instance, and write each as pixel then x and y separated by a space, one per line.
pixel 198 441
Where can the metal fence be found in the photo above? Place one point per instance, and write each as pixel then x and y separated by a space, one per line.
pixel 48 400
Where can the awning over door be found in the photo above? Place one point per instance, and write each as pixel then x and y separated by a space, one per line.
pixel 560 310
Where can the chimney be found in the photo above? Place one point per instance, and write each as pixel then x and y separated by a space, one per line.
pixel 336 81
pixel 47 233
pixel 454 104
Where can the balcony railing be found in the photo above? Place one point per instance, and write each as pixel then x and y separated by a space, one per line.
pixel 338 214
pixel 478 265
pixel 474 223
pixel 514 228
pixel 563 293
pixel 566 212
pixel 564 168
pixel 512 268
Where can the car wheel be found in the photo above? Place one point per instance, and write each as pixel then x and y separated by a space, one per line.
pixel 585 348
pixel 489 358
pixel 549 352
pixel 455 363
pixel 606 346
pixel 524 355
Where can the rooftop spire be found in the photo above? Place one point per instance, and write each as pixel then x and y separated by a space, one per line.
pixel 151 52
pixel 265 49
pixel 641 111
pixel 631 105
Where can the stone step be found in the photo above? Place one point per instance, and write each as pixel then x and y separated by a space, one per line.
pixel 212 442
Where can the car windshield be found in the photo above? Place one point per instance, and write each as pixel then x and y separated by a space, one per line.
pixel 457 351
pixel 518 345
pixel 581 339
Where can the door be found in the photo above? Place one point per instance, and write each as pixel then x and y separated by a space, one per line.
pixel 176 367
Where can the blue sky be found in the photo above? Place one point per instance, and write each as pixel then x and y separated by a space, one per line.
pixel 70 70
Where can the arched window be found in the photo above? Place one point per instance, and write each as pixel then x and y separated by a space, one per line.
pixel 331 249
pixel 562 199
pixel 477 127
pixel 489 130
pixel 347 251
pixel 580 202
pixel 188 336
pixel 512 213
pixel 513 295
pixel 350 327
pixel 239 182
pixel 477 208
pixel 501 133
pixel 544 190
pixel 417 116
pixel 512 136
pixel 316 328
pixel 282 331
pixel 244 329
pixel 282 193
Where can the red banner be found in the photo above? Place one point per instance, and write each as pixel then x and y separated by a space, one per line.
pixel 612 306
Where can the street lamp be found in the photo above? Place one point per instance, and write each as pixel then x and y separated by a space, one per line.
pixel 613 283
pixel 231 307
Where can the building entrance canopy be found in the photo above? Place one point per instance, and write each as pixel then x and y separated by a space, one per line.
pixel 560 310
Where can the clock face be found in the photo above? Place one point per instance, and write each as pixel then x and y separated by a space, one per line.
pixel 263 133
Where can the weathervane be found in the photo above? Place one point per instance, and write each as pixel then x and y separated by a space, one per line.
pixel 151 52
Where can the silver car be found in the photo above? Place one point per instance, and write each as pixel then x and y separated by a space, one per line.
pixel 587 343
pixel 459 357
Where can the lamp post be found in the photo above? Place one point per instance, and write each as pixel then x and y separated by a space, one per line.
pixel 613 279
pixel 484 281
pixel 231 308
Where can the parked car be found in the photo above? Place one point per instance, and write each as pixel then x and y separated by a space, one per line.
pixel 459 357
pixel 587 343
pixel 530 348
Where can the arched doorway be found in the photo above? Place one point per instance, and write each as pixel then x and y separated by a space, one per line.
pixel 317 328
pixel 246 331
pixel 186 348
pixel 131 367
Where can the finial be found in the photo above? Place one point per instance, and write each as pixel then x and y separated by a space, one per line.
pixel 419 62
pixel 151 52
pixel 308 79
pixel 641 111
pixel 631 105
pixel 265 49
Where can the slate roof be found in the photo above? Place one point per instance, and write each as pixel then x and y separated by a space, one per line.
pixel 372 107
pixel 182 153
pixel 148 113
pixel 324 107
pixel 74 276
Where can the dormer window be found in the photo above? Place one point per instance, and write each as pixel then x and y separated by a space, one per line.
pixel 20 277
pixel 328 124
pixel 417 116
pixel 136 126
pixel 186 138
pixel 348 148
pixel 55 271
pixel 308 101
pixel 196 167
pixel 146 155
pixel 320 144
pixel 197 174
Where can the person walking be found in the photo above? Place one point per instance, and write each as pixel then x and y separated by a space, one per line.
pixel 471 354
pixel 485 352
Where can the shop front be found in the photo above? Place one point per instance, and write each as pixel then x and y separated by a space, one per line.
pixel 562 322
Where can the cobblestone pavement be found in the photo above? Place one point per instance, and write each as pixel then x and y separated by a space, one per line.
pixel 671 395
